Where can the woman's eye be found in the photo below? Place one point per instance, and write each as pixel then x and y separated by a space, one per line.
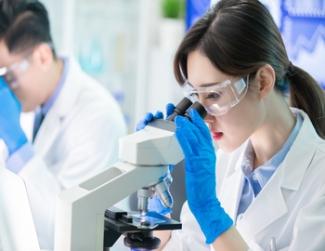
pixel 194 95
pixel 213 95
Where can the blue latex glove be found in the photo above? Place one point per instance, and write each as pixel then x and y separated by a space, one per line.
pixel 149 117
pixel 200 175
pixel 10 109
pixel 155 203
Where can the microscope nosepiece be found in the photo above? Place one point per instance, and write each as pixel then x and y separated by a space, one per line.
pixel 163 192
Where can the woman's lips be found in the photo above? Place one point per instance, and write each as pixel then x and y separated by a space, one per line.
pixel 217 135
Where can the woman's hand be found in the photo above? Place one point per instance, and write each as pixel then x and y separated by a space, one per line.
pixel 149 117
pixel 200 171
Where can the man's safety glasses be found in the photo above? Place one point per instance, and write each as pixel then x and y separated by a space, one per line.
pixel 218 98
pixel 11 72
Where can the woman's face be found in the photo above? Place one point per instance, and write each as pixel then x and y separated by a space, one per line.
pixel 233 128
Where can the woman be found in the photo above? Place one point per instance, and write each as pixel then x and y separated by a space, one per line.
pixel 270 188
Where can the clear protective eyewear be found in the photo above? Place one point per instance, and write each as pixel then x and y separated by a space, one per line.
pixel 11 72
pixel 218 98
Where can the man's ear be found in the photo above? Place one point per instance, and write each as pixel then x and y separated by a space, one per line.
pixel 43 55
pixel 265 80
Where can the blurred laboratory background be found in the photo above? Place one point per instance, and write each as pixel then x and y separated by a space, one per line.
pixel 127 45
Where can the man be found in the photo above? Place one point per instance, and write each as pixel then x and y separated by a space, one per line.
pixel 77 123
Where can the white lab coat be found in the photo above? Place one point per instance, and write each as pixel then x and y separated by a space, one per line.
pixel 77 139
pixel 290 208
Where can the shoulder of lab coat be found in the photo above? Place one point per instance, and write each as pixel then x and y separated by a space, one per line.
pixel 84 124
pixel 78 138
pixel 190 237
pixel 297 219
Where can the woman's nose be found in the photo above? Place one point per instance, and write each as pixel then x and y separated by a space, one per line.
pixel 211 120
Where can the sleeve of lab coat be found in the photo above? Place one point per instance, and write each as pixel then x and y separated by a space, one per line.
pixel 308 234
pixel 88 145
pixel 42 189
pixel 17 231
pixel 190 237
pixel 309 228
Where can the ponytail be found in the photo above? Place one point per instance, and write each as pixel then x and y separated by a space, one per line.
pixel 307 95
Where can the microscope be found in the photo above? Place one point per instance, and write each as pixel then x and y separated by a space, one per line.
pixel 85 220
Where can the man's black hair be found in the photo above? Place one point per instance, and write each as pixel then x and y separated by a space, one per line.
pixel 24 25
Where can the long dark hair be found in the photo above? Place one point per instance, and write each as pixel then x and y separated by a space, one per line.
pixel 240 36
pixel 24 25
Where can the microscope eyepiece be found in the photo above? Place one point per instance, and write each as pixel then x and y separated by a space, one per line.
pixel 199 108
pixel 180 108
pixel 184 105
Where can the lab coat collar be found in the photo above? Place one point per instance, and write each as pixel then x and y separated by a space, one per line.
pixel 304 145
pixel 70 92
pixel 232 184
pixel 63 105
pixel 270 204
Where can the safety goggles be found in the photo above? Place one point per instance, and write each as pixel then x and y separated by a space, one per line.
pixel 11 72
pixel 218 98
